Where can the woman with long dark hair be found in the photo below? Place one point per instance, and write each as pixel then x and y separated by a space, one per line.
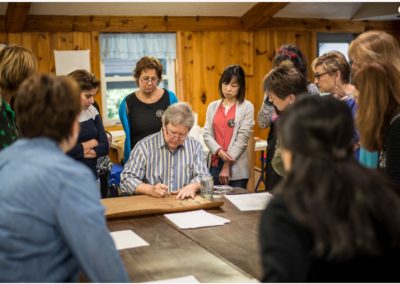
pixel 331 219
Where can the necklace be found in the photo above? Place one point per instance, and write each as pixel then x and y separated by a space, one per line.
pixel 149 99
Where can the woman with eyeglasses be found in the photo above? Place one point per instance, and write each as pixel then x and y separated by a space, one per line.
pixel 332 76
pixel 140 112
pixel 229 122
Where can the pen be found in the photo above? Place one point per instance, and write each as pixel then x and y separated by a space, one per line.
pixel 160 181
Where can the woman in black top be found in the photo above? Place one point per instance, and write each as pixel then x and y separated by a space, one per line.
pixel 141 111
pixel 331 220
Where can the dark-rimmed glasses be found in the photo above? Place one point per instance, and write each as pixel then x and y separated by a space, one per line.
pixel 146 79
pixel 318 75
pixel 174 134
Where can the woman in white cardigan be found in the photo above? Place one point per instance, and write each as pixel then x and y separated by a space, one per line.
pixel 229 122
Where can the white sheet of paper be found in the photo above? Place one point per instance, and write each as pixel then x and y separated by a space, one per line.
pixel 127 239
pixel 196 219
pixel 251 201
pixel 184 279
pixel 70 60
pixel 117 133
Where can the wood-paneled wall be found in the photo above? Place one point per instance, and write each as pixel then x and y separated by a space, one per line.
pixel 202 57
pixel 43 45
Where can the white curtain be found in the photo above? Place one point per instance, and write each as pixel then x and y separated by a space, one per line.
pixel 136 45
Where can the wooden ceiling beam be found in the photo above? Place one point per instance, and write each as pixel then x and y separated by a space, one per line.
pixel 173 24
pixel 16 16
pixel 131 23
pixel 261 13
pixel 326 25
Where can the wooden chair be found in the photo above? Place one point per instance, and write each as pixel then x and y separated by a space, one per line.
pixel 250 153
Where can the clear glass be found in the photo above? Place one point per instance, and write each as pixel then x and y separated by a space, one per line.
pixel 207 187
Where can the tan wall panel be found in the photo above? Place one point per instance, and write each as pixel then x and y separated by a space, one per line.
pixel 95 62
pixel 3 38
pixel 41 48
pixel 15 38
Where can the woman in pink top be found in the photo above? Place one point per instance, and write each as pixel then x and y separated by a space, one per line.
pixel 229 122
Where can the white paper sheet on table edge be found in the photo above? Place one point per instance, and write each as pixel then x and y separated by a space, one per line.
pixel 196 219
pixel 127 239
pixel 184 279
pixel 250 201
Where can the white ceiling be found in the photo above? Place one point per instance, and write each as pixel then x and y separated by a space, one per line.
pixel 325 10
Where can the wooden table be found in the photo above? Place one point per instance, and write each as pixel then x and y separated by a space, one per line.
pixel 228 253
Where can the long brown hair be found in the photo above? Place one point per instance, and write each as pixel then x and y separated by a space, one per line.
pixel 376 75
pixel 379 101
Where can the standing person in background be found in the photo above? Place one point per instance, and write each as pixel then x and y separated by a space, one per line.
pixel 51 221
pixel 141 112
pixel 92 140
pixel 376 75
pixel 16 64
pixel 229 123
pixel 283 85
pixel 331 220
pixel 287 54
pixel 332 75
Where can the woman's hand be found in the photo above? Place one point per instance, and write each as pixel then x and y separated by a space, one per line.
pixel 88 146
pixel 226 157
pixel 224 175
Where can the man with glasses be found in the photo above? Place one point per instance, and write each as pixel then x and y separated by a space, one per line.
pixel 167 162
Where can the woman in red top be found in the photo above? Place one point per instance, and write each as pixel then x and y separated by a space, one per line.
pixel 229 122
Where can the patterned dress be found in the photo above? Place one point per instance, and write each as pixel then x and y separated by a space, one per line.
pixel 8 128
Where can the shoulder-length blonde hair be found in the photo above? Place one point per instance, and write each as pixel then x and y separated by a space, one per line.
pixel 16 64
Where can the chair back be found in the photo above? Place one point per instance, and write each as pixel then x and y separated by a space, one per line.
pixel 250 153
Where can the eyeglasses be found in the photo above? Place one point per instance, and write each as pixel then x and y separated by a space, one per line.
pixel 147 79
pixel 317 75
pixel 175 135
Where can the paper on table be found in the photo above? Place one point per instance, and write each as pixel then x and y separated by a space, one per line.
pixel 196 219
pixel 117 133
pixel 251 201
pixel 127 239
pixel 184 279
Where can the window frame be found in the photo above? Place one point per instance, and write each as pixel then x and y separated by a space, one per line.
pixel 169 76
pixel 334 38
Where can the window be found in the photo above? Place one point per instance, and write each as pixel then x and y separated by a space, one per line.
pixel 119 53
pixel 333 41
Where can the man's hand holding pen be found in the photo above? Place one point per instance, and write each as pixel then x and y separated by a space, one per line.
pixel 159 190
